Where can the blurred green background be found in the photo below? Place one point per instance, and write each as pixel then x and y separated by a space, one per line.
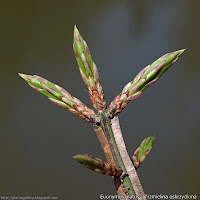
pixel 38 138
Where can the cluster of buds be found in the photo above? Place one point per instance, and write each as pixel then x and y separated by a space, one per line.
pixel 90 76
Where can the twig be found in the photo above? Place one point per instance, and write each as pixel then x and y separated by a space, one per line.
pixel 107 128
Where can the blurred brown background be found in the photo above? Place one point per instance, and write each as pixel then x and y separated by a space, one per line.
pixel 38 138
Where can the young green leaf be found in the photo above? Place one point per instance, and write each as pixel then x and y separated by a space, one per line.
pixel 60 96
pixel 142 151
pixel 88 71
pixel 98 165
pixel 148 76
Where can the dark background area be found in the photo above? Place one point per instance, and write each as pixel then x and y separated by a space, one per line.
pixel 38 138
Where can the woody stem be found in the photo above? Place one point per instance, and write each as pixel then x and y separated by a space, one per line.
pixel 119 156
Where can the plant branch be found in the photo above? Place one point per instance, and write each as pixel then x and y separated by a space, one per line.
pixel 105 146
pixel 120 156
pixel 107 128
